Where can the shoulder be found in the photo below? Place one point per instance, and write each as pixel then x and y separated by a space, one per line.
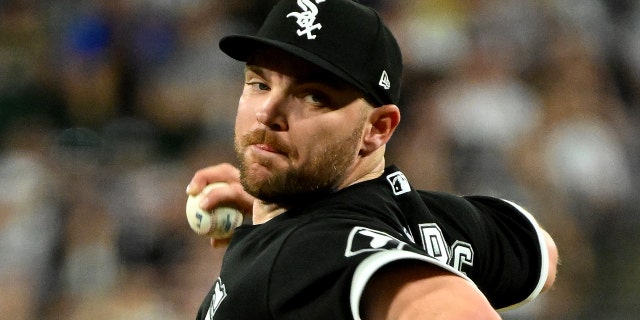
pixel 477 212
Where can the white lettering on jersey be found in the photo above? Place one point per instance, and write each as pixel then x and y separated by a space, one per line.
pixel 399 183
pixel 219 293
pixel 363 239
pixel 307 18
pixel 462 255
pixel 433 242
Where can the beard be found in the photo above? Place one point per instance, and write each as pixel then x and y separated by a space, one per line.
pixel 298 185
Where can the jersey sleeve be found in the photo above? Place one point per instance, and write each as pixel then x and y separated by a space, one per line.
pixel 510 259
pixel 338 259
pixel 530 252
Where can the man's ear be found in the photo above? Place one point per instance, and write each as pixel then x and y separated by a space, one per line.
pixel 383 121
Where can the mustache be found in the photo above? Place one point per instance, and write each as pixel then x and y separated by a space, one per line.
pixel 261 136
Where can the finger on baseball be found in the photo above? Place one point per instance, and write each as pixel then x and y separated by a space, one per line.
pixel 223 172
pixel 232 196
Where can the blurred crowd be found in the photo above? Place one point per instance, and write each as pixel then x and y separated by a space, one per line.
pixel 107 107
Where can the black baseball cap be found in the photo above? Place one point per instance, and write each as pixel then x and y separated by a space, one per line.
pixel 343 37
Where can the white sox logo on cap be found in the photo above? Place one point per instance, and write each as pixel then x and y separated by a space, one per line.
pixel 307 18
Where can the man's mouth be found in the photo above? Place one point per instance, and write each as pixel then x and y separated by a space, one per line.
pixel 266 147
pixel 261 140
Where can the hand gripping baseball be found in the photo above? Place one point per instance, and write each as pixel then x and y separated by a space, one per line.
pixel 217 201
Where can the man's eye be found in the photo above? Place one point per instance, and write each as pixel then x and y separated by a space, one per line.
pixel 312 98
pixel 315 98
pixel 258 86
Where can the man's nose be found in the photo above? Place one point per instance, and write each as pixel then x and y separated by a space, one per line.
pixel 272 113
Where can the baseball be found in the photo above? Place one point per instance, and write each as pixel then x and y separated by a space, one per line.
pixel 218 223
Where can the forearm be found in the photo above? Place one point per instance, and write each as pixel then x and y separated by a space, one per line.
pixel 412 291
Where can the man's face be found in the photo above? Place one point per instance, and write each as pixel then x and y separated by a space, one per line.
pixel 298 129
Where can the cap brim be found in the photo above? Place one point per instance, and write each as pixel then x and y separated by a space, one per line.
pixel 241 47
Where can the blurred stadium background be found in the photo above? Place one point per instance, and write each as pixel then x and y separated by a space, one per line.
pixel 107 107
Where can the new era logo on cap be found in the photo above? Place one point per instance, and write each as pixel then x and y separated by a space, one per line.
pixel 384 80
pixel 306 18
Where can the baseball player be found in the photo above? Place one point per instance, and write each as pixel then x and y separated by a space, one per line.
pixel 336 232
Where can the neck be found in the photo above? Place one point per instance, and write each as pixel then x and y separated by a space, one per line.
pixel 371 172
pixel 263 211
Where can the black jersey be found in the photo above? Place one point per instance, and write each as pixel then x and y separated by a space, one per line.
pixel 314 262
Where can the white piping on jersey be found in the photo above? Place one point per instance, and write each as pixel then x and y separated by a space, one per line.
pixel 374 262
pixel 544 259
